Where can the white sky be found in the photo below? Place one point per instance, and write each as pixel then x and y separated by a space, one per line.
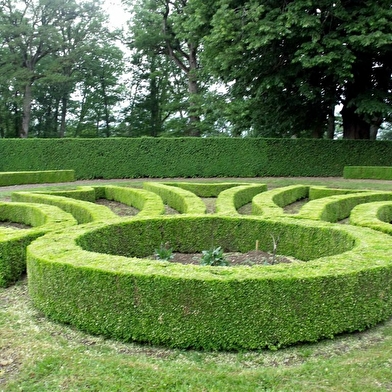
pixel 117 13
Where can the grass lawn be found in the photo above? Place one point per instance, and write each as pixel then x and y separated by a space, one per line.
pixel 39 355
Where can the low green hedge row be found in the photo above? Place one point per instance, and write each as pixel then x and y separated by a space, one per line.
pixel 96 278
pixel 205 189
pixel 36 177
pixel 83 211
pixel 270 203
pixel 377 216
pixel 180 199
pixel 372 172
pixel 317 192
pixel 338 207
pixel 148 203
pixel 230 200
pixel 13 242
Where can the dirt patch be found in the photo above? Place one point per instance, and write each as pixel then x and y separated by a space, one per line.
pixel 14 225
pixel 294 208
pixel 120 209
pixel 235 258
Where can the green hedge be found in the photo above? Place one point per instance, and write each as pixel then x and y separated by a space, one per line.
pixel 376 215
pixel 83 211
pixel 205 189
pixel 372 172
pixel 230 200
pixel 228 308
pixel 338 207
pixel 192 157
pixel 13 242
pixel 181 200
pixel 35 177
pixel 271 203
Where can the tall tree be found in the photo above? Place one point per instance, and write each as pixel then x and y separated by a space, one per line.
pixel 43 43
pixel 292 62
pixel 158 29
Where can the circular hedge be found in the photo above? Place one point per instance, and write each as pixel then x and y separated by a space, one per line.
pixel 95 277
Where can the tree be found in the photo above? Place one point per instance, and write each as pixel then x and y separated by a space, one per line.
pixel 292 62
pixel 157 29
pixel 44 47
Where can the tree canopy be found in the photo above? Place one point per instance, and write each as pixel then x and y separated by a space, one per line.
pixel 303 68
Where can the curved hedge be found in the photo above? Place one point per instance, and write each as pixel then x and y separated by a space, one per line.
pixel 377 216
pixel 335 208
pixel 13 242
pixel 270 203
pixel 213 307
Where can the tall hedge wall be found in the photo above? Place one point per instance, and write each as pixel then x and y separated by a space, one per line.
pixel 192 157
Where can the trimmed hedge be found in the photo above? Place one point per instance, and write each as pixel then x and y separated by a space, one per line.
pixel 229 200
pixel 35 177
pixel 13 242
pixel 83 211
pixel 206 189
pixel 181 200
pixel 192 157
pixel 216 308
pixel 377 216
pixel 372 172
pixel 338 207
pixel 317 192
pixel 270 203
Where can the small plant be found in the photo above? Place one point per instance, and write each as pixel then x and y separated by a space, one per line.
pixel 164 253
pixel 213 257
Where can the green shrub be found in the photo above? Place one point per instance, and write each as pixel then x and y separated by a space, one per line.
pixel 181 200
pixel 374 172
pixel 13 242
pixel 35 177
pixel 192 157
pixel 338 207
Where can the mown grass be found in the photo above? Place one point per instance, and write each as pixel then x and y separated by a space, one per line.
pixel 39 355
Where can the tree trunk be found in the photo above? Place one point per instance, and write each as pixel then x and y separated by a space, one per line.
pixel 24 130
pixel 64 103
pixel 331 124
pixel 354 127
pixel 193 90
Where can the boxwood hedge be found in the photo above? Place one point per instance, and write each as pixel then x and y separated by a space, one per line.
pixel 13 242
pixel 97 278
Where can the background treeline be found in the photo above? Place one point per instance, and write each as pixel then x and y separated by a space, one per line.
pixel 299 68
pixel 192 156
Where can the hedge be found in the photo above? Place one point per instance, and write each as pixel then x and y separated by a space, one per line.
pixel 179 199
pixel 371 172
pixel 81 277
pixel 13 242
pixel 376 215
pixel 83 211
pixel 271 203
pixel 35 177
pixel 230 200
pixel 338 207
pixel 192 157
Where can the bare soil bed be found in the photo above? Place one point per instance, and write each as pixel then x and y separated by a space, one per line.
pixel 235 258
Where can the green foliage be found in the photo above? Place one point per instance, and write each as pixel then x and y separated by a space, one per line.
pixel 36 177
pixel 374 172
pixel 164 253
pixel 290 64
pixel 192 157
pixel 214 308
pixel 13 243
pixel 213 257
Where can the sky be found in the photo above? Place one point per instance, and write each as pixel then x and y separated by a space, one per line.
pixel 118 15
